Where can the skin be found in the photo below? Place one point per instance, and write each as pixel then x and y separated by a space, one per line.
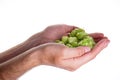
pixel 50 34
pixel 40 49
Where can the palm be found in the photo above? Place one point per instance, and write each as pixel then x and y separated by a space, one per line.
pixel 59 55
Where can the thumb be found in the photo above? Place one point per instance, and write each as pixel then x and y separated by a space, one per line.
pixel 69 28
pixel 75 52
pixel 83 49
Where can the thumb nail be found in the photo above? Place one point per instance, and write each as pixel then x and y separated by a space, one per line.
pixel 87 49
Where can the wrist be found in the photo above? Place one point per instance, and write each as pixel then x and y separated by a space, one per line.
pixel 37 40
pixel 36 55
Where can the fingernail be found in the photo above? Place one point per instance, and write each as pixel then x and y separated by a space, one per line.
pixel 106 42
pixel 105 38
pixel 87 49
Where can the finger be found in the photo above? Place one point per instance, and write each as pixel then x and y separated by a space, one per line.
pixel 97 35
pixel 100 46
pixel 66 34
pixel 98 39
pixel 92 54
pixel 75 52
pixel 69 28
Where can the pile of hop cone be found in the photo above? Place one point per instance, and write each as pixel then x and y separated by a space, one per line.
pixel 77 37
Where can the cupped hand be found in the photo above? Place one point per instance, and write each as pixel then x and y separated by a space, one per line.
pixel 59 55
pixel 54 32
pixel 50 34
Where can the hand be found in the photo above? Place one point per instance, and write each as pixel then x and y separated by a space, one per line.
pixel 70 59
pixel 54 32
pixel 97 36
pixel 50 34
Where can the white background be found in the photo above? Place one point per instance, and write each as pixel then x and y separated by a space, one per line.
pixel 19 19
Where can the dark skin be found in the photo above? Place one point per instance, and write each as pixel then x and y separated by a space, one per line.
pixel 40 49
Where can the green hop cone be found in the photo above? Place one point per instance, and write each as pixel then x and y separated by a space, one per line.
pixel 91 39
pixel 79 30
pixel 86 42
pixel 69 45
pixel 74 44
pixel 80 35
pixel 75 31
pixel 88 37
pixel 72 39
pixel 65 39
